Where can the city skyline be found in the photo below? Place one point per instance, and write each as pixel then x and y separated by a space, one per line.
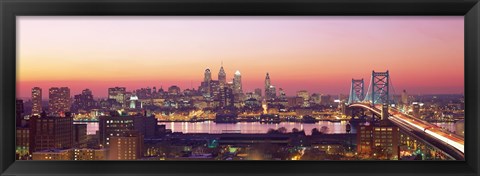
pixel 308 56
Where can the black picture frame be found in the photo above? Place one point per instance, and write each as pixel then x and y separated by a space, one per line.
pixel 9 9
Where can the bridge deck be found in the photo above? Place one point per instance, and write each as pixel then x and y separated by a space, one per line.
pixel 436 135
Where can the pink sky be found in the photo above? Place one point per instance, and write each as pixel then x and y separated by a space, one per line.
pixel 320 54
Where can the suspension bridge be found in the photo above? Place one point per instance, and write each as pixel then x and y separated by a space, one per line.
pixel 379 100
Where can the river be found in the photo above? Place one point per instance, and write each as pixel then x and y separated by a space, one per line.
pixel 248 127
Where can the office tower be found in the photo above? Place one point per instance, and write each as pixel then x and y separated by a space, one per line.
pixel 237 83
pixel 174 90
pixel 378 140
pixel 207 75
pixel 118 94
pixel 49 132
pixel 59 101
pixel 83 101
pixel 215 89
pixel 365 139
pixel 36 101
pixel 22 142
pixel 316 98
pixel 115 126
pixel 271 92
pixel 80 135
pixel 226 97
pixel 19 112
pixel 127 146
pixel 267 84
pixel 205 87
pixel 222 77
pixel 304 94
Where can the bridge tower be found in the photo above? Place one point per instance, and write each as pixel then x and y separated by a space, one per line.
pixel 378 91
pixel 384 111
pixel 356 91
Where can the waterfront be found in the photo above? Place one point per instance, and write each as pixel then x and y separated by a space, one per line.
pixel 251 127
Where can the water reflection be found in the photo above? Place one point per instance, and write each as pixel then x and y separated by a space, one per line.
pixel 250 127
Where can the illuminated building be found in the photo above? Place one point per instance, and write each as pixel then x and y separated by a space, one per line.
pixel 215 89
pixel 110 126
pixel 174 90
pixel 118 94
pixel 416 110
pixel 222 77
pixel 127 146
pixel 59 101
pixel 83 101
pixel 237 83
pixel 207 75
pixel 133 101
pixel 267 85
pixel 85 154
pixel 226 97
pixel 47 132
pixel 365 139
pixel 316 98
pixel 306 97
pixel 205 85
pixel 304 94
pixel 80 135
pixel 36 101
pixel 271 92
pixel 53 154
pixel 22 142
pixel 460 127
pixel 380 140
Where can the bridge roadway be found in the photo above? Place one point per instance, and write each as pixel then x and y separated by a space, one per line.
pixel 434 135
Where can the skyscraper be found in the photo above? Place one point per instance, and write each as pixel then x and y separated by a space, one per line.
pixel 83 101
pixel 271 92
pixel 36 101
pixel 304 94
pixel 59 101
pixel 118 94
pixel 267 83
pixel 205 87
pixel 226 97
pixel 207 75
pixel 222 77
pixel 237 83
